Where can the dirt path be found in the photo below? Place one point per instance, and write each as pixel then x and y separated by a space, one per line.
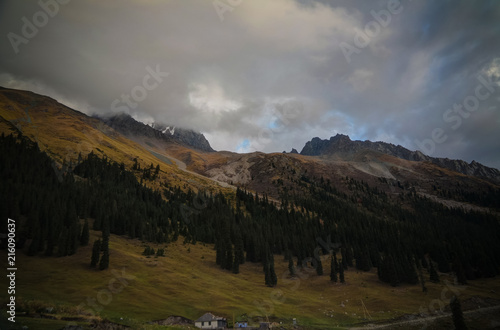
pixel 416 321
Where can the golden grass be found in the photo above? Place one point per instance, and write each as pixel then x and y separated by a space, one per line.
pixel 64 133
pixel 188 283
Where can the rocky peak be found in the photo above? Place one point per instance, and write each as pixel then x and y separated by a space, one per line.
pixel 186 136
pixel 127 125
pixel 342 145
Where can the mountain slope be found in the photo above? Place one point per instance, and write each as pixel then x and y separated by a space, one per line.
pixel 272 174
pixel 287 207
pixel 128 126
pixel 64 133
pixel 342 146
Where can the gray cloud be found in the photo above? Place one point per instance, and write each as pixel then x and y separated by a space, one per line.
pixel 230 78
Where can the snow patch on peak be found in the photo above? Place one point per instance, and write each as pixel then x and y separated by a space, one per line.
pixel 170 130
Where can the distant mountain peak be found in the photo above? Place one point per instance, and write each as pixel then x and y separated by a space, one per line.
pixel 340 137
pixel 127 125
pixel 342 145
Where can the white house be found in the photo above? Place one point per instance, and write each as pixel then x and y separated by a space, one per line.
pixel 210 321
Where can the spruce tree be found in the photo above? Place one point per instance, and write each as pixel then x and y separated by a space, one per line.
pixel 319 267
pixel 433 275
pixel 420 275
pixel 267 273
pixel 458 317
pixel 272 273
pixel 84 238
pixel 343 254
pixel 291 267
pixel 74 238
pixel 105 239
pixel 229 258
pixel 104 263
pixel 458 269
pixel 236 266
pixel 157 171
pixel 388 272
pixel 96 250
pixel 239 254
pixel 220 254
pixel 333 269
pixel 411 276
pixel 62 247
pixel 341 272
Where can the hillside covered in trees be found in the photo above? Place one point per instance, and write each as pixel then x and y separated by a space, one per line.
pixel 365 228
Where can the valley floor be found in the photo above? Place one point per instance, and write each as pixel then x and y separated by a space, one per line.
pixel 136 290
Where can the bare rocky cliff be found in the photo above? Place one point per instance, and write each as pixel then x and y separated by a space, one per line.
pixel 342 145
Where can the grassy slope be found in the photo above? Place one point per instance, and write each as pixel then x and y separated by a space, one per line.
pixel 64 133
pixel 188 283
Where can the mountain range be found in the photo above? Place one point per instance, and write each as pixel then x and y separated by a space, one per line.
pixel 339 147
pixel 189 154
pixel 342 146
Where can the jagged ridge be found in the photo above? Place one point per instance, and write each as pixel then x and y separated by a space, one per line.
pixel 342 144
pixel 127 125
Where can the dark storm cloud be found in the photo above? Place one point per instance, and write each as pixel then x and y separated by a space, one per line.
pixel 233 79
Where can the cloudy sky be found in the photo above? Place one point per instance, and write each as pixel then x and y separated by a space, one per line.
pixel 270 75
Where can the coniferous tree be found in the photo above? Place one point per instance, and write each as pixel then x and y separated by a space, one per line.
pixel 105 239
pixel 74 238
pixel 424 263
pixel 267 273
pixel 388 271
pixel 433 275
pixel 420 275
pixel 220 254
pixel 274 278
pixel 51 241
pixel 96 251
pixel 62 247
pixel 229 258
pixel 319 267
pixel 239 254
pixel 149 251
pixel 344 254
pixel 291 267
pixel 341 272
pixel 157 171
pixel 333 269
pixel 410 274
pixel 236 266
pixel 84 238
pixel 458 269
pixel 104 263
pixel 458 316
pixel 442 262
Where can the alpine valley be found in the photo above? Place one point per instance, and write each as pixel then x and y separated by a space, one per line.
pixel 120 225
